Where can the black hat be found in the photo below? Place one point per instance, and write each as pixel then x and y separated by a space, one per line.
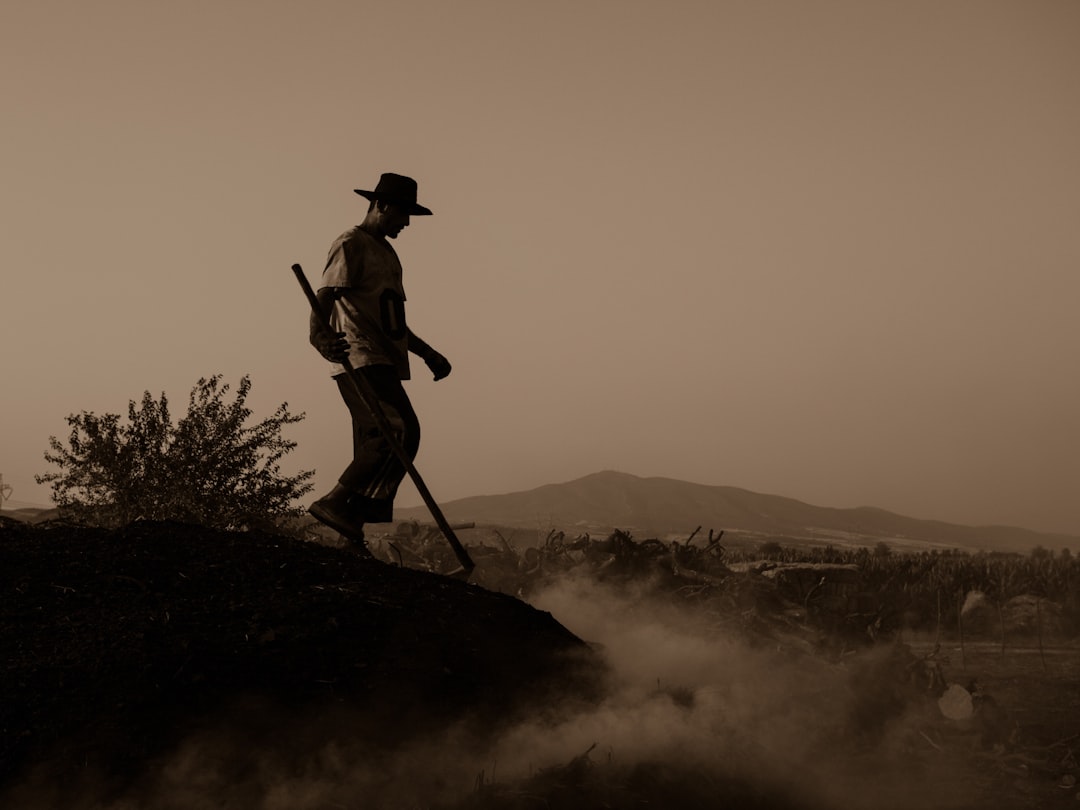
pixel 396 188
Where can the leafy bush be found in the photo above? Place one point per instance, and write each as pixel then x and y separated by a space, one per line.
pixel 209 468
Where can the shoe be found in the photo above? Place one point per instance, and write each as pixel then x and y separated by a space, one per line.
pixel 344 524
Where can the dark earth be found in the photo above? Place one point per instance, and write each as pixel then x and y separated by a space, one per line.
pixel 164 665
pixel 119 644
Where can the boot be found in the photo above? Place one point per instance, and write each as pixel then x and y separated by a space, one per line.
pixel 333 510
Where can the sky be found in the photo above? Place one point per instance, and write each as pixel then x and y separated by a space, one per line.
pixel 826 250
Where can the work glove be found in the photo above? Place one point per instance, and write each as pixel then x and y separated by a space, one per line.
pixel 438 364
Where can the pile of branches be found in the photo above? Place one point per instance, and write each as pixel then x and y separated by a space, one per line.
pixel 504 568
pixel 756 602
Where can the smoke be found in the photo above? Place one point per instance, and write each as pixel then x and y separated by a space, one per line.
pixel 973 601
pixel 688 694
pixel 684 695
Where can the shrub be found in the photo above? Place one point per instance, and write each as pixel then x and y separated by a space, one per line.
pixel 210 468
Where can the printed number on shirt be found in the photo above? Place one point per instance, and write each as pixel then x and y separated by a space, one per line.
pixel 392 312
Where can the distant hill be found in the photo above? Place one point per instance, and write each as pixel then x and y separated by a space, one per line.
pixel 29 514
pixel 671 509
pixel 663 507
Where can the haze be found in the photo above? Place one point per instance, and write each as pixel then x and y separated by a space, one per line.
pixel 822 250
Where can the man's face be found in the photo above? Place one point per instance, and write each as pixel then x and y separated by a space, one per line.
pixel 393 218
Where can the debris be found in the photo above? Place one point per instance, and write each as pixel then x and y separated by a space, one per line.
pixel 956 703
pixel 932 743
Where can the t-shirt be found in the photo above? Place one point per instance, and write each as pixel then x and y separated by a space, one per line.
pixel 370 307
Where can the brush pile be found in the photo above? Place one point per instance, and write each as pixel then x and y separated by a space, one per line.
pixel 809 607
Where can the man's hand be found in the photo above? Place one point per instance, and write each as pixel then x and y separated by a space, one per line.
pixel 438 364
pixel 334 347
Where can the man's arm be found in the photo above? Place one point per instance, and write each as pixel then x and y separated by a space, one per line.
pixel 439 365
pixel 331 345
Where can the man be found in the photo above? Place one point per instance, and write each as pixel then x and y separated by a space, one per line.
pixel 363 294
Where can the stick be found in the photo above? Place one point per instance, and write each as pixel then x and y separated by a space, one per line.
pixel 934 744
pixel 1038 627
pixel 960 626
pixel 371 400
pixel 937 638
pixel 1001 624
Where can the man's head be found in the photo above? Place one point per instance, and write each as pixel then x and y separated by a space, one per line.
pixel 387 219
pixel 393 202
pixel 396 188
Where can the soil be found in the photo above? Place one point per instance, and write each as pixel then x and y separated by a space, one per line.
pixel 119 644
pixel 165 666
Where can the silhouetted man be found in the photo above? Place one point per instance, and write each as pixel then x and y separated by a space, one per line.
pixel 363 294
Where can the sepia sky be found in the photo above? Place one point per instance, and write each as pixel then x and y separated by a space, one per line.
pixel 827 250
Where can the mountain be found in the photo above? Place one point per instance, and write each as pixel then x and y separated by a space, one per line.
pixel 663 507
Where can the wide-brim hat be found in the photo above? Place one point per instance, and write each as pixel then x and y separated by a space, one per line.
pixel 399 189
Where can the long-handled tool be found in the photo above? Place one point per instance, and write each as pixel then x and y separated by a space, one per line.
pixel 371 400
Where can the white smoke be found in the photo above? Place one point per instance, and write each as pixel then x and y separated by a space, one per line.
pixel 973 600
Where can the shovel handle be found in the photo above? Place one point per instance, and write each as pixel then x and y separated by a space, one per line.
pixel 371 400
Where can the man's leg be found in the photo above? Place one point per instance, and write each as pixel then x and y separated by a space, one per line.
pixel 376 472
pixel 365 491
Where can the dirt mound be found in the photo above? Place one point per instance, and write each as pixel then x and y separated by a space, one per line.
pixel 120 643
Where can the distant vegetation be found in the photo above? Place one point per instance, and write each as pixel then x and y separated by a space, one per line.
pixel 210 468
pixel 931 591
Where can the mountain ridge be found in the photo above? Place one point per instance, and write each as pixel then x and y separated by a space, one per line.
pixel 658 506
